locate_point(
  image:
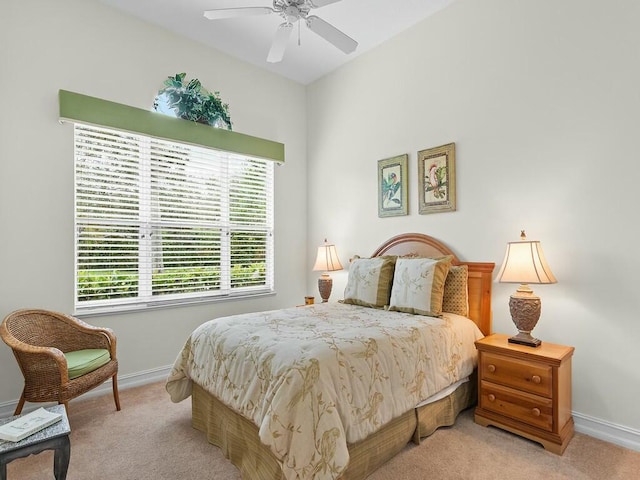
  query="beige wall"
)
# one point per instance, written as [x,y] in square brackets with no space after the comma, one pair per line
[542,99]
[85,47]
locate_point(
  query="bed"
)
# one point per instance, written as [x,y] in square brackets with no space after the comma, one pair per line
[333,391]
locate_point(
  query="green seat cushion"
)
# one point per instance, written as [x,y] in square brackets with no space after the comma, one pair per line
[80,362]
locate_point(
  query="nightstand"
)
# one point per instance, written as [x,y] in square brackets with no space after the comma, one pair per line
[525,390]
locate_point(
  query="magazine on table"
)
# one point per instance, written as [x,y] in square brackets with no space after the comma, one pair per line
[28,424]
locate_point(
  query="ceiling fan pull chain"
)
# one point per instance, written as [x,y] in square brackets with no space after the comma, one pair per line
[298,33]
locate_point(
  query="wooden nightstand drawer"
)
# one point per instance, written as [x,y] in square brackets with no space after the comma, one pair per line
[527,376]
[526,390]
[530,409]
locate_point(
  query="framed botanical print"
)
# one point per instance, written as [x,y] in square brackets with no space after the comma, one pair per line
[392,186]
[437,179]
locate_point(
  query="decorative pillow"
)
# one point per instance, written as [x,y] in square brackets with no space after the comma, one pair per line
[369,282]
[418,285]
[456,293]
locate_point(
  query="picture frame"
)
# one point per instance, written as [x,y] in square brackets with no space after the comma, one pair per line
[393,186]
[437,179]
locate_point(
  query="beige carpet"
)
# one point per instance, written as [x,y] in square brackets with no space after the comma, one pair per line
[152,439]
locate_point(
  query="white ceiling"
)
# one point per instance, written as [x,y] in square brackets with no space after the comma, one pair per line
[369,22]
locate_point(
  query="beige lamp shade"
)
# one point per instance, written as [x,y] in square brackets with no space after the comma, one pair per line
[524,263]
[326,261]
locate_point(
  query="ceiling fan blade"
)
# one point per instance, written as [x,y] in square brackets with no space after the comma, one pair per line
[322,3]
[331,34]
[280,43]
[236,12]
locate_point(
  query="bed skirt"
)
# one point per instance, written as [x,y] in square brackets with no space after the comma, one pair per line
[238,437]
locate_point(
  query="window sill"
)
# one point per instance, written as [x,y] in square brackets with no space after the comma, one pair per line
[88,312]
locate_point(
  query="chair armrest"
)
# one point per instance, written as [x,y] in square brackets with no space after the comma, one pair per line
[39,359]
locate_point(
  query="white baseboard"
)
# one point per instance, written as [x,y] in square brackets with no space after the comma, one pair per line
[124,381]
[594,427]
[607,431]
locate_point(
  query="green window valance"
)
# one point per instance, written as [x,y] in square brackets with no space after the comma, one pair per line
[96,111]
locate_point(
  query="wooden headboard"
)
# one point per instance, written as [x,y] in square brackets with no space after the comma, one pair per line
[480,274]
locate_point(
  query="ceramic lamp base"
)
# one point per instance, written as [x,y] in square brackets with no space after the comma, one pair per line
[325,283]
[525,311]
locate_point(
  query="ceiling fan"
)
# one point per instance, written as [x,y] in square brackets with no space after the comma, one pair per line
[291,11]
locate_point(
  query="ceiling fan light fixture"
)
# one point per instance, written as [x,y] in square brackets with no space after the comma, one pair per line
[291,14]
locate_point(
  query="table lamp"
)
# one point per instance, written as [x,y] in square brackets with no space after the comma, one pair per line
[326,261]
[524,263]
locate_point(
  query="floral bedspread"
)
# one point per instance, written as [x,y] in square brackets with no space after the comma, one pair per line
[318,377]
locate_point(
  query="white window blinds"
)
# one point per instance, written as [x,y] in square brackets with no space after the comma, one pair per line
[159,221]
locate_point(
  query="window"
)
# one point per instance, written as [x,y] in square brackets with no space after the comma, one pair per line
[158,221]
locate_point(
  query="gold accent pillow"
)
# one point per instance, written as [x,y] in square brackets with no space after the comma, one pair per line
[418,285]
[369,282]
[456,291]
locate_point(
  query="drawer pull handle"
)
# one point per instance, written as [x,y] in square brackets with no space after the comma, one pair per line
[491,397]
[536,412]
[536,379]
[491,368]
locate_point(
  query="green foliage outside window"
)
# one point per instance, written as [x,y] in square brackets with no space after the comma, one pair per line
[102,285]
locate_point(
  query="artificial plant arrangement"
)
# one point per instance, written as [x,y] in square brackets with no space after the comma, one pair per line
[189,100]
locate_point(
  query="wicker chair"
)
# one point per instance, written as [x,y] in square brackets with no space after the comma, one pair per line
[40,338]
